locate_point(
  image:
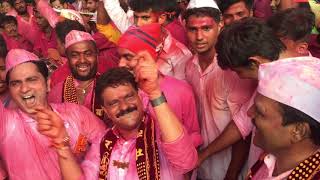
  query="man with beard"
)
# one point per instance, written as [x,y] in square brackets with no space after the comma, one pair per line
[285,114]
[78,87]
[11,35]
[27,25]
[25,150]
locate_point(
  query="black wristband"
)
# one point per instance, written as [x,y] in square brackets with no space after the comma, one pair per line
[158,101]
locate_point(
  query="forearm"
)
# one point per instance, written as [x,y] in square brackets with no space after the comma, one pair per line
[229,136]
[117,14]
[240,151]
[170,126]
[69,167]
[102,15]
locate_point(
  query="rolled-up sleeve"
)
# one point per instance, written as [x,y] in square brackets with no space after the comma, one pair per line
[181,153]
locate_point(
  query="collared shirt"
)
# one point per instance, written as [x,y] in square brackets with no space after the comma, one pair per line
[266,171]
[176,158]
[27,154]
[220,94]
[173,58]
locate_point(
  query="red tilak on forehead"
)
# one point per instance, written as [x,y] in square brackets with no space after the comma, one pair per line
[200,21]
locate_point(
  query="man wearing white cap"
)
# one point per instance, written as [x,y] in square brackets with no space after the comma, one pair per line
[286,116]
[220,93]
[31,145]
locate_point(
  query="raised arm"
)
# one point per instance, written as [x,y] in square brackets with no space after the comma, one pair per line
[176,142]
[117,14]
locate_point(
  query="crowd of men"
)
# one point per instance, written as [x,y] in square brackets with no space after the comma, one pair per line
[159,89]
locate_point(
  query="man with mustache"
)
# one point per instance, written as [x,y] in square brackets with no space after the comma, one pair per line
[11,35]
[137,146]
[82,54]
[285,114]
[25,150]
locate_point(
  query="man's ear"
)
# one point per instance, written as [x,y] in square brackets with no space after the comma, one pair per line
[302,48]
[299,132]
[255,61]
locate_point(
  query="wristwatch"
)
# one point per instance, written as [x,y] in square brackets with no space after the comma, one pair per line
[158,101]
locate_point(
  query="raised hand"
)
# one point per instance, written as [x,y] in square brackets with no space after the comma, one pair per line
[50,125]
[147,74]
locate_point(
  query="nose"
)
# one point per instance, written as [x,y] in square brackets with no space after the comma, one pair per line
[24,88]
[123,62]
[123,105]
[199,35]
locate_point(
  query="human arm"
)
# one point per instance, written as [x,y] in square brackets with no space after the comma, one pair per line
[47,11]
[102,15]
[52,126]
[176,143]
[117,14]
[239,156]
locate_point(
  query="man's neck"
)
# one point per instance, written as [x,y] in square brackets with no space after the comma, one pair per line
[205,59]
[25,16]
[289,158]
[128,134]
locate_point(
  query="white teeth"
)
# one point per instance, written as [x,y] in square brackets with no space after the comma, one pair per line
[27,97]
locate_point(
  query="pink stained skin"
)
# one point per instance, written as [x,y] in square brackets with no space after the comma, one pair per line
[202,33]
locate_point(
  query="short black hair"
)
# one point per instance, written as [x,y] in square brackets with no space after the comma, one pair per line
[153,5]
[244,39]
[8,19]
[3,47]
[204,11]
[295,23]
[61,1]
[41,66]
[291,115]
[113,78]
[225,4]
[64,27]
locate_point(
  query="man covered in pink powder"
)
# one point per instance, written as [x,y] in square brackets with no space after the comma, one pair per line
[78,87]
[179,93]
[25,149]
[138,146]
[220,93]
[285,114]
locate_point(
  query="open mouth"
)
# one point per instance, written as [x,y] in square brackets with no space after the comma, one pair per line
[29,100]
[83,67]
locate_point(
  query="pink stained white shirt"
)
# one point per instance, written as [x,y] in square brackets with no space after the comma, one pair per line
[220,95]
[173,58]
[26,153]
[176,158]
[266,170]
[181,100]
